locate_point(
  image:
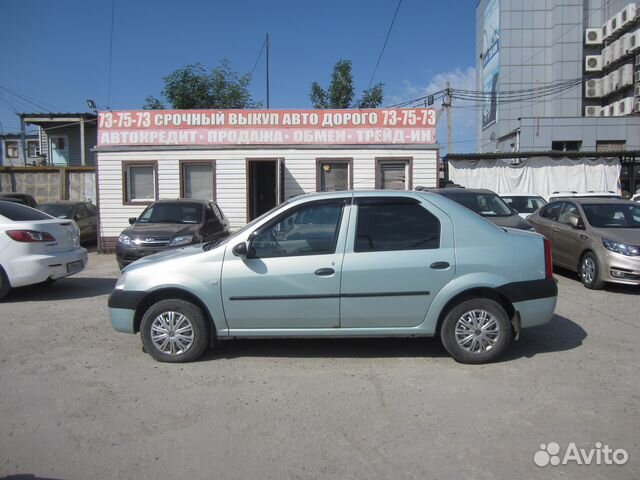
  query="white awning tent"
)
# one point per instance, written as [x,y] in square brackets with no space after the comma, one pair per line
[540,175]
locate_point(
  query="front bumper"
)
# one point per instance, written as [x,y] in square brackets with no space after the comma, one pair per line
[617,268]
[122,310]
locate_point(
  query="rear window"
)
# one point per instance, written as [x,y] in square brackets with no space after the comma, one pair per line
[57,210]
[20,213]
[485,204]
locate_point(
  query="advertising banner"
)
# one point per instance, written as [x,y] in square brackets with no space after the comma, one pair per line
[490,62]
[267,127]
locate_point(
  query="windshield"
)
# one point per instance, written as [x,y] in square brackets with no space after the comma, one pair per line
[524,204]
[59,211]
[485,204]
[188,213]
[613,215]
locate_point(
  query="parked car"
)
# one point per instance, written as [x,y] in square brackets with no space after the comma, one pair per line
[22,198]
[35,247]
[523,203]
[485,203]
[168,224]
[344,264]
[84,214]
[591,194]
[597,237]
[636,198]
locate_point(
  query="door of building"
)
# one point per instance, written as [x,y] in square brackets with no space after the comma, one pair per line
[265,185]
[59,150]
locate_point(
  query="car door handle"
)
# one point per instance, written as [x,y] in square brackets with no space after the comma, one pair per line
[439,265]
[324,272]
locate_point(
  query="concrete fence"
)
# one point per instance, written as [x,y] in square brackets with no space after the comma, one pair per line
[51,183]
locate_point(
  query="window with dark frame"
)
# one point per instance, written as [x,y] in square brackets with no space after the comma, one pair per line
[198,180]
[140,182]
[334,175]
[11,149]
[566,146]
[33,148]
[393,174]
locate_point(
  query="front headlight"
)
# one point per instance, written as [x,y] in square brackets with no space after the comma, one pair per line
[124,239]
[120,282]
[621,248]
[181,240]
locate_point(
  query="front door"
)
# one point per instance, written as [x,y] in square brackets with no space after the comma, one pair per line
[265,185]
[567,243]
[59,150]
[399,255]
[291,277]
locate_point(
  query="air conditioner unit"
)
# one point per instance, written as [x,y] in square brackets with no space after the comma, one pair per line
[605,31]
[604,111]
[593,88]
[636,106]
[624,106]
[614,23]
[628,14]
[636,91]
[607,55]
[634,42]
[592,111]
[626,43]
[611,110]
[614,81]
[617,48]
[637,77]
[626,74]
[593,36]
[593,63]
[604,81]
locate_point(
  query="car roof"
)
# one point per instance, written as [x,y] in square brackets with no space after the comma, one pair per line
[184,200]
[463,191]
[509,194]
[595,200]
[64,202]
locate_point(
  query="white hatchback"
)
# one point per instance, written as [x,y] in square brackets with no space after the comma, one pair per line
[36,247]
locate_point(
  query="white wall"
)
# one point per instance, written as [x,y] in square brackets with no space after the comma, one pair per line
[300,176]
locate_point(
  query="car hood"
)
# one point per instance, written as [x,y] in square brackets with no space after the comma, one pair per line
[171,254]
[630,236]
[512,221]
[161,229]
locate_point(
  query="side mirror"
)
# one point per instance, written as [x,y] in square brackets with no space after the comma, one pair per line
[240,250]
[575,221]
[132,220]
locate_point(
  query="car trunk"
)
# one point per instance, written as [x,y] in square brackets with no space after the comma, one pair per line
[65,233]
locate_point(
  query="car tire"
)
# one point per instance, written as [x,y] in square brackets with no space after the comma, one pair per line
[590,272]
[188,331]
[476,331]
[5,286]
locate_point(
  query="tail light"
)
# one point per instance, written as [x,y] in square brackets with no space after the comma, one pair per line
[548,264]
[30,236]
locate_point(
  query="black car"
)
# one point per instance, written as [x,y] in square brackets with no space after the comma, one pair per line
[485,203]
[168,224]
[85,215]
[23,198]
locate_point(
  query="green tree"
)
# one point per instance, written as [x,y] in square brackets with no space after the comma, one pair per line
[341,91]
[193,87]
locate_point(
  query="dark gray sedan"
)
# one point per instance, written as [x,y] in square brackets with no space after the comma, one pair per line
[84,214]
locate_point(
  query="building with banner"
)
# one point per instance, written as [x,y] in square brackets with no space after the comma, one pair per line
[249,161]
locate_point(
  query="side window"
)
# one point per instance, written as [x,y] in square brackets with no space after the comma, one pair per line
[551,211]
[395,225]
[309,230]
[569,208]
[209,213]
[217,211]
[91,209]
[81,211]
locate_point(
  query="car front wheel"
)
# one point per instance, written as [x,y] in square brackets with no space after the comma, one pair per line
[590,272]
[476,331]
[175,331]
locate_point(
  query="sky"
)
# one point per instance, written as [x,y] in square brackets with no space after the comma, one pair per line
[56,53]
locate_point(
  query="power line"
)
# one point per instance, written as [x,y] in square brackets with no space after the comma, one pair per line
[385,43]
[264,43]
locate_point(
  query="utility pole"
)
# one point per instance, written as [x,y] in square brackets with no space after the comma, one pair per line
[267,41]
[446,103]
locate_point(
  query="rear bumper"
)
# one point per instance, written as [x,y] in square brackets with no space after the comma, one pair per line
[535,301]
[32,269]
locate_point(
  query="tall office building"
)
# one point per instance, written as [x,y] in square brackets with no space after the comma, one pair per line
[565,75]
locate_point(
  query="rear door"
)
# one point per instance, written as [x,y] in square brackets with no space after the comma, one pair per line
[399,255]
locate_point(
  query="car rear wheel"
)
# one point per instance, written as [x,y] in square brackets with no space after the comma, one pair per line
[590,272]
[4,284]
[175,331]
[476,331]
